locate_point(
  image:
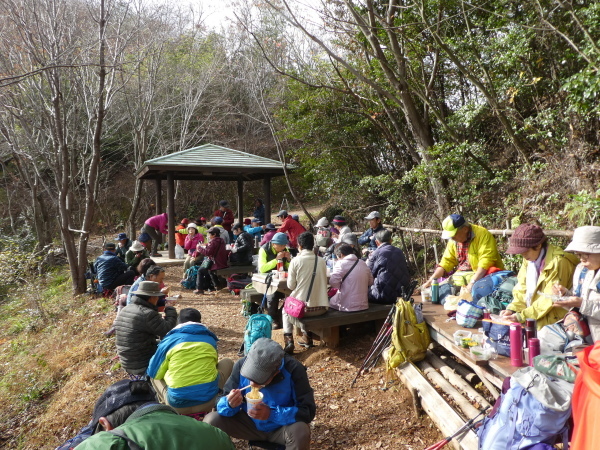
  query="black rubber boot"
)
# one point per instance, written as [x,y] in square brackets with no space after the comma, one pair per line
[289,343]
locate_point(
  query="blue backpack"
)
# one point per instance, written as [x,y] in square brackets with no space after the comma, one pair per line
[489,284]
[258,326]
[190,278]
[522,420]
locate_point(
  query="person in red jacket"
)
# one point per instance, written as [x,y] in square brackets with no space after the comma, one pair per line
[226,214]
[291,227]
[215,250]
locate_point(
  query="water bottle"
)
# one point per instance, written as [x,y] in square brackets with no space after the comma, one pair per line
[530,331]
[516,344]
[256,242]
[435,291]
[534,349]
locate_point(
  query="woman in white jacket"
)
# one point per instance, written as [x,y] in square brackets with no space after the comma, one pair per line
[585,294]
[303,268]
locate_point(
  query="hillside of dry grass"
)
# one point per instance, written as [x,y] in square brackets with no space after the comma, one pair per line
[54,364]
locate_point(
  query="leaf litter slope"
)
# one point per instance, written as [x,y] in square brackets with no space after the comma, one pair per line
[363,417]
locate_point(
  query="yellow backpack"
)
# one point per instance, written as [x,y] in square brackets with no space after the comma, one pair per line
[410,336]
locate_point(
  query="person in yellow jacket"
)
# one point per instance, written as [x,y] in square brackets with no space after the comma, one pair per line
[544,265]
[471,249]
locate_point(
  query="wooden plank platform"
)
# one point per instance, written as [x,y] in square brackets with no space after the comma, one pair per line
[327,326]
[165,261]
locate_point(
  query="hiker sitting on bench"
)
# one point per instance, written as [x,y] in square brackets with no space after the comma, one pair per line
[241,253]
[389,269]
[127,414]
[192,240]
[268,256]
[139,324]
[308,280]
[351,279]
[217,252]
[185,370]
[112,272]
[287,406]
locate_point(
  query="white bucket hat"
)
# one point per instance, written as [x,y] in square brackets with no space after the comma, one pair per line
[323,222]
[136,247]
[585,240]
[192,225]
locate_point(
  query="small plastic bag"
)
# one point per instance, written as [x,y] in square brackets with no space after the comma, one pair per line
[179,253]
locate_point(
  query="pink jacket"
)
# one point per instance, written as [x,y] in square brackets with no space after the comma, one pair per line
[191,243]
[159,222]
[353,292]
[268,236]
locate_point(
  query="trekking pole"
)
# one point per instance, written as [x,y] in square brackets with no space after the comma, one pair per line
[466,427]
[382,331]
[384,338]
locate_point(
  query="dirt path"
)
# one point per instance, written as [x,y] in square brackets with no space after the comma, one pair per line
[364,417]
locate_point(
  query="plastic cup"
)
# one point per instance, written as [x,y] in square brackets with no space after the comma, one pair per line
[253,402]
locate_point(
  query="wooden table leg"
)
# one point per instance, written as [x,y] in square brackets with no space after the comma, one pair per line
[331,337]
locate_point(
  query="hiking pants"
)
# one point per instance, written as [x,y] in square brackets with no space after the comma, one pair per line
[126,278]
[295,436]
[205,279]
[155,235]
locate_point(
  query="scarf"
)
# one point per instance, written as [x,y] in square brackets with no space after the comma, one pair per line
[534,268]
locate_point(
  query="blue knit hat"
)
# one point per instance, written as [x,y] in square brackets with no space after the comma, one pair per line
[280,238]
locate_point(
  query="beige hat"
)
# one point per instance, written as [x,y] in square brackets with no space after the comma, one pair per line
[149,288]
[136,247]
[585,240]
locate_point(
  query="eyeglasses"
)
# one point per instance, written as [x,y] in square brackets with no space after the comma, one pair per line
[585,256]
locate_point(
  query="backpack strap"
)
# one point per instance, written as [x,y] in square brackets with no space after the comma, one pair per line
[348,273]
[312,280]
[121,433]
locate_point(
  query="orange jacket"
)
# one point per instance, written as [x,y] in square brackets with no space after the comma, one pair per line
[586,400]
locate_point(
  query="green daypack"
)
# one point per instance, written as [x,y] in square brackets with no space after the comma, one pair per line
[501,297]
[410,338]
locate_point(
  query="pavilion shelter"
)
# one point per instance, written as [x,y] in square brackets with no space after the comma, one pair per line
[209,162]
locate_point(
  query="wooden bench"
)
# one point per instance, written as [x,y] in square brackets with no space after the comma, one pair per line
[235,269]
[252,295]
[327,326]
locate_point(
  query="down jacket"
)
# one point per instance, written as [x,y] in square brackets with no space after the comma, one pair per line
[244,245]
[187,360]
[137,327]
[108,267]
[390,273]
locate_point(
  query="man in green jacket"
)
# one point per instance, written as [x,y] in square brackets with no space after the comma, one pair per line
[471,250]
[269,255]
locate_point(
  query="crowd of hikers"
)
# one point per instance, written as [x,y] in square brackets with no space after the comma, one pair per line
[178,381]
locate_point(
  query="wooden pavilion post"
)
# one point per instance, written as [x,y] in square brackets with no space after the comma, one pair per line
[158,209]
[240,201]
[171,214]
[267,198]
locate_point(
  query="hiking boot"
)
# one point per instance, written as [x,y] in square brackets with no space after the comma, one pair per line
[156,255]
[305,341]
[289,343]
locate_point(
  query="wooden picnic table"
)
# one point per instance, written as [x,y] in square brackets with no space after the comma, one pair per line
[491,373]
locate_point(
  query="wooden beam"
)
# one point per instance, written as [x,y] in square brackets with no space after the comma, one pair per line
[158,208]
[171,214]
[446,419]
[240,201]
[267,198]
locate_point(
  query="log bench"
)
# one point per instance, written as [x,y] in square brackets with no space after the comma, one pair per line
[327,326]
